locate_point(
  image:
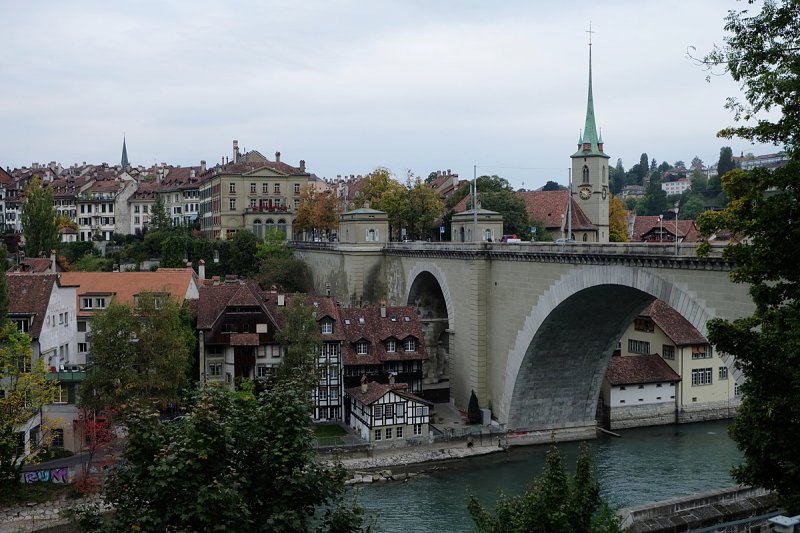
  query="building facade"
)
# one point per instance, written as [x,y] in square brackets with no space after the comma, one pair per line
[386,413]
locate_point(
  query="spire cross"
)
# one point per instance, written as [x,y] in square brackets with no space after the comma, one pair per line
[590,32]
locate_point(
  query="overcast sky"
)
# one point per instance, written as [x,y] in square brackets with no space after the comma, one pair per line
[352,85]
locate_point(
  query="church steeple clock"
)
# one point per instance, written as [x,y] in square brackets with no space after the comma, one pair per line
[590,168]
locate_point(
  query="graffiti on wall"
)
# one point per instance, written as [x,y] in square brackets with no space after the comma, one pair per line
[52,475]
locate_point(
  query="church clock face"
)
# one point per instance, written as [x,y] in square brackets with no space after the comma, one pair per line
[585,193]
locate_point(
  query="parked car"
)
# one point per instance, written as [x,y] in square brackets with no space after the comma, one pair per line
[565,241]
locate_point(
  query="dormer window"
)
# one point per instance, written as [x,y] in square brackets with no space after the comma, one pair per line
[327,327]
[362,347]
[361,320]
[410,344]
[391,346]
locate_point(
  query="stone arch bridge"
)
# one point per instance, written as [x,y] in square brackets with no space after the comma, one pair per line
[529,327]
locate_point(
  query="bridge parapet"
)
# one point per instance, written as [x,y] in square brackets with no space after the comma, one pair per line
[654,255]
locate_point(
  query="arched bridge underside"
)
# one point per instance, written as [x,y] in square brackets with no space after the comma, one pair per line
[532,333]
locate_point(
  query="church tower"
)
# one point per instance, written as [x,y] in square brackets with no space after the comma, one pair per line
[124,161]
[590,168]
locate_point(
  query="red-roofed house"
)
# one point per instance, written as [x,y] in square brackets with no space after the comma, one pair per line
[656,229]
[638,391]
[707,389]
[385,413]
[551,208]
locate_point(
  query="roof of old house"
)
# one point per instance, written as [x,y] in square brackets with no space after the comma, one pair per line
[672,323]
[367,324]
[323,307]
[639,369]
[31,295]
[215,298]
[125,285]
[549,206]
[644,224]
[376,391]
[37,265]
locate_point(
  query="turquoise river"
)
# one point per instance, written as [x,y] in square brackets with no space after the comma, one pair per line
[644,465]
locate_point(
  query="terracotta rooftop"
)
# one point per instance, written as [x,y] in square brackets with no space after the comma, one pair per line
[548,206]
[672,323]
[639,369]
[32,264]
[376,391]
[367,324]
[125,285]
[30,295]
[644,224]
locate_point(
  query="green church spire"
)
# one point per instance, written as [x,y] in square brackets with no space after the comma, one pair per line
[124,154]
[590,142]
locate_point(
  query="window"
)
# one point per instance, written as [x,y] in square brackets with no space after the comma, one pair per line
[417,429]
[585,174]
[372,235]
[391,346]
[410,345]
[701,352]
[232,204]
[331,351]
[668,351]
[297,188]
[327,327]
[388,433]
[58,438]
[737,390]
[215,369]
[86,303]
[60,393]
[701,376]
[377,434]
[723,372]
[83,347]
[400,410]
[643,324]
[100,303]
[252,188]
[323,393]
[135,208]
[22,324]
[264,188]
[262,371]
[362,347]
[232,188]
[252,203]
[334,394]
[377,411]
[277,188]
[635,346]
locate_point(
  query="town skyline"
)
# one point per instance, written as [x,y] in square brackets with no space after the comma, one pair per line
[413,88]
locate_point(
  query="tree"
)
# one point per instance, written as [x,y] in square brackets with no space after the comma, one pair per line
[692,208]
[384,194]
[301,344]
[26,391]
[655,201]
[553,186]
[175,251]
[512,207]
[554,501]
[39,220]
[318,211]
[762,53]
[3,283]
[237,463]
[726,162]
[424,207]
[273,245]
[617,220]
[138,354]
[473,409]
[159,218]
[242,253]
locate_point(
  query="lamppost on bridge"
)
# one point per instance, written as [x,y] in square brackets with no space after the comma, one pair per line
[660,228]
[676,228]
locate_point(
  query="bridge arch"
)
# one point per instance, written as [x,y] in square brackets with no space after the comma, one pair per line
[556,366]
[429,292]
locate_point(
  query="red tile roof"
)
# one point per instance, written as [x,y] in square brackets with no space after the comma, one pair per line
[645,224]
[548,206]
[672,323]
[30,295]
[376,391]
[368,324]
[639,369]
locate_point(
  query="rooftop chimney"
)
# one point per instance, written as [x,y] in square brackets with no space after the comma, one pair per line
[188,264]
[202,165]
[391,378]
[383,310]
[235,151]
[281,300]
[201,269]
[364,384]
[302,165]
[53,261]
[277,157]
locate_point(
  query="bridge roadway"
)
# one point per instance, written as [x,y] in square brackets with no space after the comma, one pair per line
[528,326]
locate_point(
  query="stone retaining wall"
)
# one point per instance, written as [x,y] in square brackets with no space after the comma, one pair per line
[632,416]
[703,412]
[35,516]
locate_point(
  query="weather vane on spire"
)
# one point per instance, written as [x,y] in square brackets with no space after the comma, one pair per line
[590,32]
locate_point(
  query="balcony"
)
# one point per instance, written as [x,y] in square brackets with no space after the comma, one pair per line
[267,209]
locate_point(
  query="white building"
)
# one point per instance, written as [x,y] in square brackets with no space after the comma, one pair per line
[676,187]
[383,414]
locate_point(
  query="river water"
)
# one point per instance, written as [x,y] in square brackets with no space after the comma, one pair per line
[645,465]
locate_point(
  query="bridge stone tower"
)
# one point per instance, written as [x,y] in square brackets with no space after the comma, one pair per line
[590,169]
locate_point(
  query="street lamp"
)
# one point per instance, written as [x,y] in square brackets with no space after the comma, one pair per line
[660,228]
[676,229]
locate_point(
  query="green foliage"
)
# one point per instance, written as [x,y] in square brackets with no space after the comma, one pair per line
[39,220]
[617,220]
[286,274]
[512,207]
[762,53]
[552,186]
[301,344]
[473,409]
[554,501]
[424,208]
[655,202]
[137,354]
[726,162]
[159,218]
[175,251]
[237,463]
[242,254]
[73,251]
[92,263]
[273,245]
[3,284]
[26,391]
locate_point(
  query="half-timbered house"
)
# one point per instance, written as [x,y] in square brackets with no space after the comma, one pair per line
[385,413]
